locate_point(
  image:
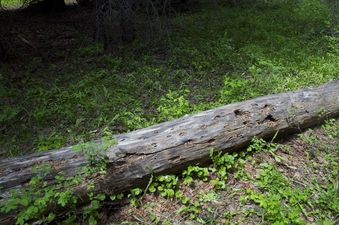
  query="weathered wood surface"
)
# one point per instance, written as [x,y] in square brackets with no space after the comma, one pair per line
[169,147]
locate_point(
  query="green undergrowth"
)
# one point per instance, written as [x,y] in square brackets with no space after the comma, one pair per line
[212,57]
[261,180]
[47,190]
[7,4]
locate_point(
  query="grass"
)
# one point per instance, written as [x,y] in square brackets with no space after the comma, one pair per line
[11,4]
[213,57]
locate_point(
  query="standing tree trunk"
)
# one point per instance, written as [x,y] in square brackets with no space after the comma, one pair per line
[114,22]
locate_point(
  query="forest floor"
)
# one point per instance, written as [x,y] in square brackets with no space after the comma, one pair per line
[57,88]
[294,181]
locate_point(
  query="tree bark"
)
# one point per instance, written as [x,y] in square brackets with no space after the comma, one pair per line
[169,147]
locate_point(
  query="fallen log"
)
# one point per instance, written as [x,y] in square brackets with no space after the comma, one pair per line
[169,147]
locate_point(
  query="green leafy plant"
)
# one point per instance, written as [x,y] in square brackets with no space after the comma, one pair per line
[192,209]
[135,193]
[222,163]
[33,202]
[166,185]
[90,213]
[235,90]
[53,141]
[173,105]
[279,203]
[331,128]
[195,171]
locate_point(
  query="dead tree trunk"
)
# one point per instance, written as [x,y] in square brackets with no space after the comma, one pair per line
[171,146]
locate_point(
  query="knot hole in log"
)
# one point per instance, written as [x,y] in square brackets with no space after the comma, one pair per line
[270,120]
[244,115]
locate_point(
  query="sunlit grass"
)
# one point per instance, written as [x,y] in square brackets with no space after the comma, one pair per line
[11,4]
[16,4]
